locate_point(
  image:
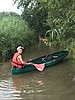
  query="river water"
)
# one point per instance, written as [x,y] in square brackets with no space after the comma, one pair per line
[54,83]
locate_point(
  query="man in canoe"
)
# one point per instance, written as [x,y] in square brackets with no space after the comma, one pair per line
[17,59]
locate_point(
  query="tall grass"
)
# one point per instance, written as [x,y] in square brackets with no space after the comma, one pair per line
[14,31]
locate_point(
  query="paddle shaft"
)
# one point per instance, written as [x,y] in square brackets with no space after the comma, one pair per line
[46,56]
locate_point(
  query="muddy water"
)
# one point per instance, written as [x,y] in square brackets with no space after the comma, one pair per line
[54,83]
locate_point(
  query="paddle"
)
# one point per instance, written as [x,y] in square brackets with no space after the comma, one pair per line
[45,57]
[39,67]
[49,56]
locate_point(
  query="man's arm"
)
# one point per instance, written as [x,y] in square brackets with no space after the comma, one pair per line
[19,58]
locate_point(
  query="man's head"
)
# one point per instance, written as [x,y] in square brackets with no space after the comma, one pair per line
[19,49]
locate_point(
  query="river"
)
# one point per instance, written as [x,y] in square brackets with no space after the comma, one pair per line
[54,83]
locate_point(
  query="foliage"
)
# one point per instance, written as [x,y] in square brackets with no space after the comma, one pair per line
[70,46]
[35,13]
[56,18]
[14,31]
[6,14]
[61,20]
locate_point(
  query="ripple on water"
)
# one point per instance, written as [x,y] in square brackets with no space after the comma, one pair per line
[7,91]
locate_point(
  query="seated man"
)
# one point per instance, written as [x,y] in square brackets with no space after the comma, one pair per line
[17,59]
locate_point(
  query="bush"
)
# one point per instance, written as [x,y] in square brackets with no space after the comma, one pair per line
[14,31]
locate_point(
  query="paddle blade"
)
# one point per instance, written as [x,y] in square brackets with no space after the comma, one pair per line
[39,67]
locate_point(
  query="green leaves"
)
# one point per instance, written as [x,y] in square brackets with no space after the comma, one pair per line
[14,31]
[56,18]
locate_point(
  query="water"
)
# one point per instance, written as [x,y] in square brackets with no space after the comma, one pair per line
[54,83]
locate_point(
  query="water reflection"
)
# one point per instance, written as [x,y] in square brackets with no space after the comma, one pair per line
[29,87]
[40,82]
[7,91]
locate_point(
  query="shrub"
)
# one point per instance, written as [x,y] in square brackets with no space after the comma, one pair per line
[14,31]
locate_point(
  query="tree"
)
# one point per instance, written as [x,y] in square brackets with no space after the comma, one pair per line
[35,13]
[61,20]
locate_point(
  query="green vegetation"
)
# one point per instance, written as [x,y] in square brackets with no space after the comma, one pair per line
[14,31]
[54,19]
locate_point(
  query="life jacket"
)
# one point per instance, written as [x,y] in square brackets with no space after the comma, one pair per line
[15,62]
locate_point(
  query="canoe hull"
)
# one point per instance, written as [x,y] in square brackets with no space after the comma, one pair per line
[61,55]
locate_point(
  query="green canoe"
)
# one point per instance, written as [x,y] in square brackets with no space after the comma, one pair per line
[48,60]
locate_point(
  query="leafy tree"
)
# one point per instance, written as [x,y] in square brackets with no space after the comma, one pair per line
[35,13]
[61,20]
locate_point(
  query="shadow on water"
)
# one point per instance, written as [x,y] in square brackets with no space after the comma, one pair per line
[54,83]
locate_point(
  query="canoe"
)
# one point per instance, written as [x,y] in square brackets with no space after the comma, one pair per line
[48,60]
